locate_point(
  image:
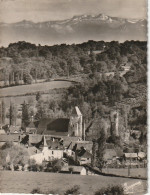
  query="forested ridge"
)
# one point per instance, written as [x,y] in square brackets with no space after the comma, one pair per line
[27,61]
[99,93]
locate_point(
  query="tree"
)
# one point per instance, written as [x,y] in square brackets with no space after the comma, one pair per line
[3,112]
[12,114]
[25,115]
[73,191]
[38,96]
[101,149]
[27,78]
[93,161]
[14,155]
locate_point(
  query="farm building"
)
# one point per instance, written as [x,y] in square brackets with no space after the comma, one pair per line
[130,158]
[74,170]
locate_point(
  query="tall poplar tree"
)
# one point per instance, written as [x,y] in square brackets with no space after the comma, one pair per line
[3,112]
[13,114]
[25,115]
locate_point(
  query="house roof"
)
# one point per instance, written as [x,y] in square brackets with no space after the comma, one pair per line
[141,154]
[35,138]
[54,144]
[68,141]
[75,168]
[84,154]
[48,126]
[85,144]
[131,155]
[13,129]
[9,137]
[33,150]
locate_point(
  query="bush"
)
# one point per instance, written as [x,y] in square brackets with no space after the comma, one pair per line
[38,191]
[111,190]
[73,191]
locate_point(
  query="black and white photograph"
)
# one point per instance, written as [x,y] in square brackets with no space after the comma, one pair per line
[73,97]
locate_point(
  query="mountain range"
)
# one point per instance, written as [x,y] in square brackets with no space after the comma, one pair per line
[75,30]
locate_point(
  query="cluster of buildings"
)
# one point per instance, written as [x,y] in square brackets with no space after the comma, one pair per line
[63,139]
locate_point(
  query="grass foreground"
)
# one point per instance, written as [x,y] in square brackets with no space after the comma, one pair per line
[25,182]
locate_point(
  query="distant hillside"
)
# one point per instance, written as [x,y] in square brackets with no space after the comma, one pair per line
[75,30]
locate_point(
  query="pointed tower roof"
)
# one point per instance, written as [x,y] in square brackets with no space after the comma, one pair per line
[45,143]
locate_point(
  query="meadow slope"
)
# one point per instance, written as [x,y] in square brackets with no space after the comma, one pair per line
[33,88]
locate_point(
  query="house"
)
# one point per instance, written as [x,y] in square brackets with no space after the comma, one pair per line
[84,157]
[130,158]
[33,150]
[14,129]
[74,170]
[141,155]
[52,149]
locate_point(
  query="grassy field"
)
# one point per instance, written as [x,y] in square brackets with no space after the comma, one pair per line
[25,182]
[20,99]
[134,172]
[33,88]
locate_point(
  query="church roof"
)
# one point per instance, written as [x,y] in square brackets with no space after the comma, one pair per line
[49,126]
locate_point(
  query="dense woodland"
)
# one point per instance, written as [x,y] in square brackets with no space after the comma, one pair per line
[27,61]
[98,94]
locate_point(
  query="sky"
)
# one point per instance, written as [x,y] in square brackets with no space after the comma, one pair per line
[46,10]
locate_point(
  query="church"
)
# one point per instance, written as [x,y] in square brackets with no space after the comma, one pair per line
[72,126]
